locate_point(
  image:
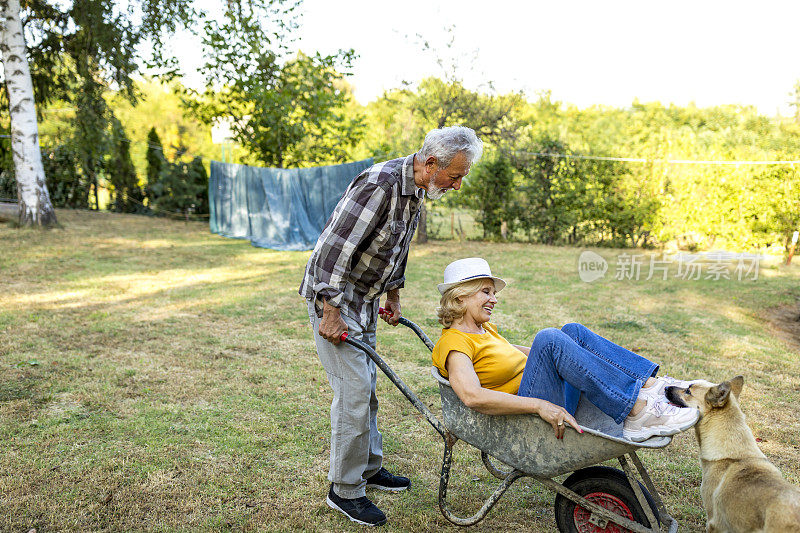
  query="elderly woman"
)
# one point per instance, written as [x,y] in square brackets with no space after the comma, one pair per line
[495,377]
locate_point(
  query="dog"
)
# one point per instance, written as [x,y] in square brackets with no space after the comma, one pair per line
[741,490]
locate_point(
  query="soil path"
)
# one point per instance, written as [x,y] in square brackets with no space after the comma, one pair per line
[786,322]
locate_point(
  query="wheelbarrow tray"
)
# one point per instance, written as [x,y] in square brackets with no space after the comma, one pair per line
[529,444]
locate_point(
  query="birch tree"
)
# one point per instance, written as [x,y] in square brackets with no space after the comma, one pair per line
[35,207]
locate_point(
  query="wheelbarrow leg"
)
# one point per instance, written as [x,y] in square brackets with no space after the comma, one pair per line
[668,524]
[496,472]
[449,441]
[637,490]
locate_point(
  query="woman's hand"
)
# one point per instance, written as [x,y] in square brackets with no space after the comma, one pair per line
[556,416]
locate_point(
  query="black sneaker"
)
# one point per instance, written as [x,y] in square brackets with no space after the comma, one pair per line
[359,510]
[383,480]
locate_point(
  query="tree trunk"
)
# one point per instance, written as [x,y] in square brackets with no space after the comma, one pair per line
[422,228]
[35,207]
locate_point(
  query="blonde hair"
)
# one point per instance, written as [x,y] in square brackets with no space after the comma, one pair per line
[450,307]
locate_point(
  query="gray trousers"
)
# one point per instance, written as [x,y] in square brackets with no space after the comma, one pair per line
[356,443]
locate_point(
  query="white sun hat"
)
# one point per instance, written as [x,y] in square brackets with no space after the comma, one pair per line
[466,270]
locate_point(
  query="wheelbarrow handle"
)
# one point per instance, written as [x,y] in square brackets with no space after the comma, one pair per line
[413,327]
[394,378]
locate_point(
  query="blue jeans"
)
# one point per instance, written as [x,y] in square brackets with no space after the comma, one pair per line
[563,363]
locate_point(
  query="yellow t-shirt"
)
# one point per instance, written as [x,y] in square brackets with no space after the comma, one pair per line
[497,363]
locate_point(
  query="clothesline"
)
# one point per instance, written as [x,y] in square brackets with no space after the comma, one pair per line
[670,161]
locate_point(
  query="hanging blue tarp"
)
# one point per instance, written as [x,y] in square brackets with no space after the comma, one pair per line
[278,208]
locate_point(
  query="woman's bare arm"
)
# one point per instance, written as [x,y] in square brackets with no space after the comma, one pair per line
[524,349]
[468,388]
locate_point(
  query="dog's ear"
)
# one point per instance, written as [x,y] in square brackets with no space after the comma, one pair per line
[718,396]
[736,385]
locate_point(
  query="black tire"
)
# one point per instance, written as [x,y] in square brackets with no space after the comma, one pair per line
[606,486]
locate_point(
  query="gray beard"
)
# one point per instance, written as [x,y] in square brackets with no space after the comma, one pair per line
[434,193]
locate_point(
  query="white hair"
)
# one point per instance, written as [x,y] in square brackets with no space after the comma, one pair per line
[445,143]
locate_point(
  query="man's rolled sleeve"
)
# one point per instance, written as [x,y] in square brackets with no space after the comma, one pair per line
[396,284]
[358,217]
[323,291]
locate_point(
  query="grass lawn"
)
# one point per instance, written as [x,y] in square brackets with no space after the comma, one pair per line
[158,377]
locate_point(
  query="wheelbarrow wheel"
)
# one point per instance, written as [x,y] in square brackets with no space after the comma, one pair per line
[607,487]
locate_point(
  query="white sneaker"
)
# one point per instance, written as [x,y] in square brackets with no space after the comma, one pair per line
[658,418]
[662,382]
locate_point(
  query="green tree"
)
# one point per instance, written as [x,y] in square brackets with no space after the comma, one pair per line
[443,103]
[773,208]
[177,186]
[199,176]
[182,189]
[447,103]
[393,129]
[399,120]
[159,106]
[491,191]
[66,38]
[301,119]
[156,162]
[622,204]
[553,193]
[126,195]
[64,179]
[76,48]
[91,137]
[286,112]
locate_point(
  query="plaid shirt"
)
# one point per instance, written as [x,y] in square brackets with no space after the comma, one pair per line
[362,251]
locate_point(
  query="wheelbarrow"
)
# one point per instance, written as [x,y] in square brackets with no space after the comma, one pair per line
[592,499]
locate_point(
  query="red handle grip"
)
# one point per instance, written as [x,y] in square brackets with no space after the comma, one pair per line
[343,337]
[382,311]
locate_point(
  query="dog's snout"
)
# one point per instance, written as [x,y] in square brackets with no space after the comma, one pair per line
[671,393]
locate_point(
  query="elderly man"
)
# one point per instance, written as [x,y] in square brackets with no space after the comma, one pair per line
[361,255]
